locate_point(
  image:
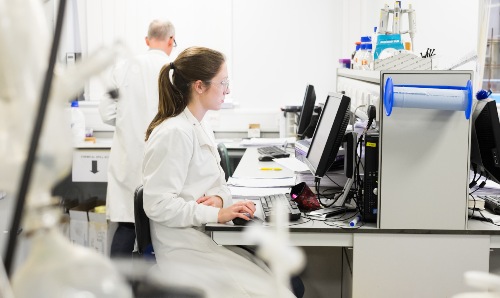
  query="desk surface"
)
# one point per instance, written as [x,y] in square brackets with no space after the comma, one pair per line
[249,167]
[308,232]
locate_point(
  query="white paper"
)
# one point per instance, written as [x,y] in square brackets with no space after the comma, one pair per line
[485,215]
[292,163]
[257,192]
[250,182]
[267,141]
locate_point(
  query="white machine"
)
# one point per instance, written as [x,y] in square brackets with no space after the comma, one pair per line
[398,12]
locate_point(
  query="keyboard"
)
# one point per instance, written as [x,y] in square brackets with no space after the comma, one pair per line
[492,203]
[273,151]
[269,201]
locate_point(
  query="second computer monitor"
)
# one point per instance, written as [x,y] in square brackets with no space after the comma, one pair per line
[307,110]
[329,134]
[485,140]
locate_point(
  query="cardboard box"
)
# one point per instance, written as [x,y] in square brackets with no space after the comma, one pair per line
[254,130]
[403,61]
[101,232]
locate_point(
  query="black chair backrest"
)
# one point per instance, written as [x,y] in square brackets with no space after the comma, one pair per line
[224,160]
[142,231]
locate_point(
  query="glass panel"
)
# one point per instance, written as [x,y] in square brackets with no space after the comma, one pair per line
[491,78]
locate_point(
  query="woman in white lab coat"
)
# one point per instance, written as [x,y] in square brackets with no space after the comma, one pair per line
[184,185]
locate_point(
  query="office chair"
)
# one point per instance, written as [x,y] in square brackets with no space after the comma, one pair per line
[142,286]
[224,160]
[142,232]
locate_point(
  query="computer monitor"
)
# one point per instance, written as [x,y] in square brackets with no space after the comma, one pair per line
[485,143]
[306,112]
[329,134]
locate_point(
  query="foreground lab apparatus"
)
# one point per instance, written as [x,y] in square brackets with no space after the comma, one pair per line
[54,266]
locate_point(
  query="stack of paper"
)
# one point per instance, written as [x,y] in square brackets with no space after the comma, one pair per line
[259,186]
[476,203]
[261,183]
[331,179]
[259,142]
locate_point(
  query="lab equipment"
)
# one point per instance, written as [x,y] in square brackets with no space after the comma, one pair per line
[306,113]
[24,132]
[428,97]
[397,12]
[77,123]
[353,61]
[367,59]
[360,54]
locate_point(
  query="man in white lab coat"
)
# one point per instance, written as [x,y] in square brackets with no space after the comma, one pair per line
[130,113]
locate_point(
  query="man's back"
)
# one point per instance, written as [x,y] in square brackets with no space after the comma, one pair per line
[137,81]
[131,113]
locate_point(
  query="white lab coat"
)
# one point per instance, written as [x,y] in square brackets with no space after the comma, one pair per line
[131,113]
[181,164]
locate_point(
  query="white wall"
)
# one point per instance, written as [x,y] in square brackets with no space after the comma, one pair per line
[274,48]
[280,46]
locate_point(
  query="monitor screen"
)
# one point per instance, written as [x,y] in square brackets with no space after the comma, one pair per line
[485,143]
[329,134]
[307,110]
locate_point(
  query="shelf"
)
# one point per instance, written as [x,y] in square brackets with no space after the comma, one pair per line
[370,76]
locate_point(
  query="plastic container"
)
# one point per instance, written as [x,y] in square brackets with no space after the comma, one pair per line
[367,59]
[374,39]
[344,63]
[358,46]
[77,123]
[358,56]
[365,40]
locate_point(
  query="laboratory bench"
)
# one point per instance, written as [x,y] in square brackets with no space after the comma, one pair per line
[385,262]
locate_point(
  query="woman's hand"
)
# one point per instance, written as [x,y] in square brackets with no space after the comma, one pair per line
[238,209]
[214,201]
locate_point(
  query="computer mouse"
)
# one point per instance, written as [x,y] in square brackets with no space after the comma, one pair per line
[238,221]
[266,158]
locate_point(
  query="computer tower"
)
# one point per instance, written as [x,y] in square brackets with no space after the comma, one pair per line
[369,204]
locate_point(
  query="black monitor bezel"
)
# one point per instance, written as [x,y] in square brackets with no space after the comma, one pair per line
[307,110]
[485,140]
[335,137]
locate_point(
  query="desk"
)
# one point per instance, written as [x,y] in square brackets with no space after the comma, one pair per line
[388,262]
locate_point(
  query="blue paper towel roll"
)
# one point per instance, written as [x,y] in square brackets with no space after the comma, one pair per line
[428,97]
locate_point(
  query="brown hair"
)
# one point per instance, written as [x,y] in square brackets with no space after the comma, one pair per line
[195,63]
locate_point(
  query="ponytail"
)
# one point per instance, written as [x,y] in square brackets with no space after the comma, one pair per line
[171,101]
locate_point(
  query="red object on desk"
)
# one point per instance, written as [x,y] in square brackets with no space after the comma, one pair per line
[305,198]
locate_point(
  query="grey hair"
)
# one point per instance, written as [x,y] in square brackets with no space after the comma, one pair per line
[161,30]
